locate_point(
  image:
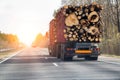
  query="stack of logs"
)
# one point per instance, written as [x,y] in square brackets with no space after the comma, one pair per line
[83,23]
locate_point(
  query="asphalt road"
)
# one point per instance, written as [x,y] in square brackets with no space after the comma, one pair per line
[36,64]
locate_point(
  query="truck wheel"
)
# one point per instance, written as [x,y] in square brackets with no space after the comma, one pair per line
[58,56]
[58,51]
[54,52]
[65,58]
[62,56]
[50,53]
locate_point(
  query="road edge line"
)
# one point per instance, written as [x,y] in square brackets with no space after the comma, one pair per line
[11,56]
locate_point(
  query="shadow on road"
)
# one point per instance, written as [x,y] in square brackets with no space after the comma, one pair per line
[37,59]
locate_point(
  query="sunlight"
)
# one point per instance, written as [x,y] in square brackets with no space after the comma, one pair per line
[27,39]
[28,34]
[28,20]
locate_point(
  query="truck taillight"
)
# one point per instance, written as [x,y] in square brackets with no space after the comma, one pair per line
[97,49]
[69,49]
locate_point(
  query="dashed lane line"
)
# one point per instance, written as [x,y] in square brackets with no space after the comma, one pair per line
[55,64]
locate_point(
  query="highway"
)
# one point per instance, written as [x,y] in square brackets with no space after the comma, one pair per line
[36,64]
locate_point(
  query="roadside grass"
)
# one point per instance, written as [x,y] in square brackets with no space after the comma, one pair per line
[5,54]
[109,55]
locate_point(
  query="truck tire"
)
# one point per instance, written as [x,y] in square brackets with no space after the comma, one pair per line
[54,52]
[63,56]
[50,53]
[58,55]
[49,50]
[58,51]
[91,58]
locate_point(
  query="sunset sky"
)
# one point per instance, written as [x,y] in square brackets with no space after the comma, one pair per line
[26,18]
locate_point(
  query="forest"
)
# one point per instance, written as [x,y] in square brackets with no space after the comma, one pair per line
[8,41]
[41,41]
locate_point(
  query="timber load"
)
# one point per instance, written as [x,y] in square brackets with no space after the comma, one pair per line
[83,23]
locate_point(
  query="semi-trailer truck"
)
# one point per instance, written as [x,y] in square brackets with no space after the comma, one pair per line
[75,30]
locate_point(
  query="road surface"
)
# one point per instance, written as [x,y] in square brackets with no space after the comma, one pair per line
[36,64]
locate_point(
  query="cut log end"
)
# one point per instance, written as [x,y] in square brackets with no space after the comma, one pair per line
[93,17]
[71,20]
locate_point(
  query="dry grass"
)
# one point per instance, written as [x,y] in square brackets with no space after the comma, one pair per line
[107,55]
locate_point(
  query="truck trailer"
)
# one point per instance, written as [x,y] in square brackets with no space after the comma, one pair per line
[76,31]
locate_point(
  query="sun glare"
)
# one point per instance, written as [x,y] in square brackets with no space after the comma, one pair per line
[27,36]
[26,39]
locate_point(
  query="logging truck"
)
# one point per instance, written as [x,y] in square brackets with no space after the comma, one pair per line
[76,30]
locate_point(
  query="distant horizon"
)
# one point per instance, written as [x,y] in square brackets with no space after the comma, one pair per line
[26,18]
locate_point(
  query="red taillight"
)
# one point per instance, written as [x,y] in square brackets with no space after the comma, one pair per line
[97,49]
[69,49]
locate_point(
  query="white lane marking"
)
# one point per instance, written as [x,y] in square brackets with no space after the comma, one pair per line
[55,64]
[10,57]
[46,58]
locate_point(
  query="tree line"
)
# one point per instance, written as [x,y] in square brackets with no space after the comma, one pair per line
[110,24]
[8,41]
[41,41]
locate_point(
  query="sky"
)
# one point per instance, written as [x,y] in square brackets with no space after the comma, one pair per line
[26,18]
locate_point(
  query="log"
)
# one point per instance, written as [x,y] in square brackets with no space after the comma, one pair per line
[80,40]
[79,17]
[80,12]
[96,39]
[65,36]
[86,14]
[81,31]
[92,8]
[68,29]
[71,20]
[76,13]
[69,35]
[71,39]
[74,36]
[93,30]
[93,17]
[66,7]
[78,27]
[86,10]
[64,31]
[66,15]
[82,23]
